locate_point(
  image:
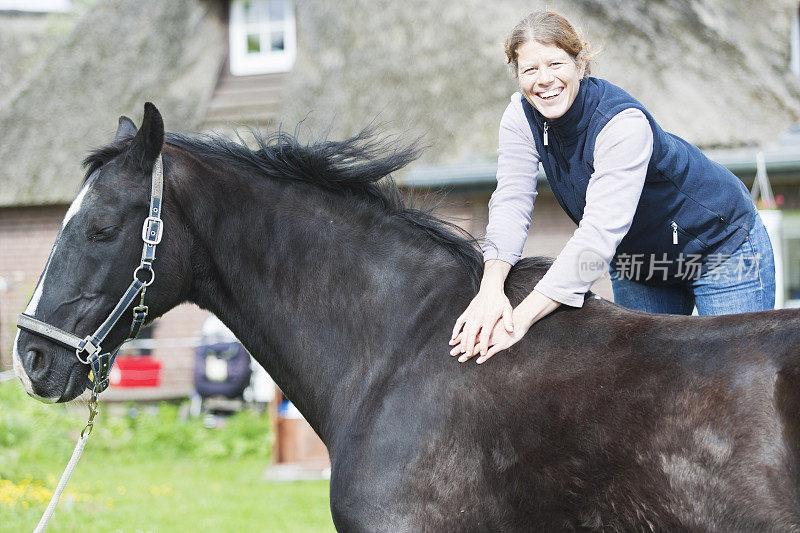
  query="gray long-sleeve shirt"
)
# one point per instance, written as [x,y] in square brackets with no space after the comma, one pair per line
[621,156]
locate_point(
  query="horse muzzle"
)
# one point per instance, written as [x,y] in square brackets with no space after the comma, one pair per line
[35,362]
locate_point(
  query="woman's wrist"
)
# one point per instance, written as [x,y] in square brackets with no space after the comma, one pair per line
[535,306]
[495,272]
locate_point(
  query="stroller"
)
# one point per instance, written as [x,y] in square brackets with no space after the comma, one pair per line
[225,376]
[221,369]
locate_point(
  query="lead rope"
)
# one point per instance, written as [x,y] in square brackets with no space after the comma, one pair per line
[73,462]
[100,383]
[139,316]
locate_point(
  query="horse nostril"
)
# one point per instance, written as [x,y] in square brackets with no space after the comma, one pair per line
[35,361]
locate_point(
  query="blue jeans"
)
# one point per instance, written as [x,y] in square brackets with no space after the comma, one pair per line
[739,283]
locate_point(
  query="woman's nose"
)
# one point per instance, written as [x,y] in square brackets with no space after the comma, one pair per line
[544,76]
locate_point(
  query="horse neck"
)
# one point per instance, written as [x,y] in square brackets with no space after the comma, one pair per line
[324,291]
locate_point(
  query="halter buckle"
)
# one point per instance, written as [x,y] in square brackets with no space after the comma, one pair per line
[152,230]
[90,351]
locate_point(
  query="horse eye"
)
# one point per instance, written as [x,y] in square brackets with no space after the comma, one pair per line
[104,234]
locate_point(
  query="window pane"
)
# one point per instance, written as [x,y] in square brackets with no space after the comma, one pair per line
[253,43]
[259,36]
[277,10]
[256,11]
[276,41]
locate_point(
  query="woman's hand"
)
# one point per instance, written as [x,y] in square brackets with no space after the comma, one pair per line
[487,311]
[489,307]
[534,307]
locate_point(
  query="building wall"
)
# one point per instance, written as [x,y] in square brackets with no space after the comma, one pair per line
[27,235]
[549,232]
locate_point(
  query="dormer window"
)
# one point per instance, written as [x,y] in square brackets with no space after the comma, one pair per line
[262,36]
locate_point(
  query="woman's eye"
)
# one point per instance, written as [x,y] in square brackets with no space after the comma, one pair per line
[104,234]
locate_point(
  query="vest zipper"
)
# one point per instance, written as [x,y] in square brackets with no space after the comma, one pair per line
[674,233]
[545,133]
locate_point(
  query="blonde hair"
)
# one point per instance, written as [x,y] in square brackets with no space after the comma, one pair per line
[547,27]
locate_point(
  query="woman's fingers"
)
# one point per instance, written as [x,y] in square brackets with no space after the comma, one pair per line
[499,340]
[457,328]
[466,356]
[467,344]
[483,339]
[471,331]
[473,338]
[508,318]
[493,350]
[456,341]
[458,345]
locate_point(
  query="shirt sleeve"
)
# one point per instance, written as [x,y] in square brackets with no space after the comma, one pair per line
[621,156]
[511,205]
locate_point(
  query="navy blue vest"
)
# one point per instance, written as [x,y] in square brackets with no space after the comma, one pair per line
[690,206]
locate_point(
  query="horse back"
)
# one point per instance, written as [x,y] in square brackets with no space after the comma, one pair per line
[605,418]
[600,418]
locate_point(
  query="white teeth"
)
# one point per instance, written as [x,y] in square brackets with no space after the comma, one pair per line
[549,94]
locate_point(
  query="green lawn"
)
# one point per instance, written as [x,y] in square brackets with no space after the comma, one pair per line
[170,495]
[147,471]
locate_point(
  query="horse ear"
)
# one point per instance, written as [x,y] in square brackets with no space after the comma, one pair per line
[125,129]
[149,139]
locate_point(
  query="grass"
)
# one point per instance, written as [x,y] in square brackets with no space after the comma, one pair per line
[172,495]
[149,472]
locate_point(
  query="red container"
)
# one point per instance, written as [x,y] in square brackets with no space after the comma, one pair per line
[136,371]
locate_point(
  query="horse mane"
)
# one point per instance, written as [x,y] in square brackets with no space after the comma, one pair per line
[351,167]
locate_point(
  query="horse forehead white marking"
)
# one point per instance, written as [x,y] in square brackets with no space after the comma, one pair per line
[74,208]
[76,204]
[37,294]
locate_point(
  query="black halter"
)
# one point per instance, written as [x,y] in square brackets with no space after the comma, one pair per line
[88,350]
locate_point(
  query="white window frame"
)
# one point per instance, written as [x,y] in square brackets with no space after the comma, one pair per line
[36,6]
[243,63]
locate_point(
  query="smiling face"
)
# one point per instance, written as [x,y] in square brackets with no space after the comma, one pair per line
[548,77]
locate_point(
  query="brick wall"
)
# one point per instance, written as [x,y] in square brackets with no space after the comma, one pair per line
[27,235]
[550,231]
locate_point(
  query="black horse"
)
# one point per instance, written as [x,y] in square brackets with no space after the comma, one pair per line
[600,419]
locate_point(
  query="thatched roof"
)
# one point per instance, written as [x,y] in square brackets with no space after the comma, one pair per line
[713,72]
[118,55]
[23,40]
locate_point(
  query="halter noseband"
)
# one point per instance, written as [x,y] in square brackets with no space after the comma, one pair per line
[88,350]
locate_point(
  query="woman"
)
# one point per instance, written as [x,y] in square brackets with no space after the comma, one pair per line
[676,229]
